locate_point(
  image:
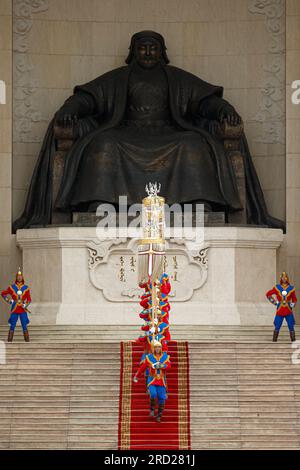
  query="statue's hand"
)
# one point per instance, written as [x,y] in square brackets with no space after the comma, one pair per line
[229,114]
[66,118]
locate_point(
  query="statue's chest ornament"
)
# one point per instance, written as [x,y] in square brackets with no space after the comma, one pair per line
[145,97]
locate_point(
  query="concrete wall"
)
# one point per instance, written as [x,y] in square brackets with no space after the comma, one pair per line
[239,44]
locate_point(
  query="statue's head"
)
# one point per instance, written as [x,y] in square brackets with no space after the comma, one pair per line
[147,48]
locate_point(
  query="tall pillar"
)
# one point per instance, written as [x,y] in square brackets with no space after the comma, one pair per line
[293,144]
[5,137]
[9,254]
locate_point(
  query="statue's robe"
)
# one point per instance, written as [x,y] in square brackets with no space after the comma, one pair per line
[94,173]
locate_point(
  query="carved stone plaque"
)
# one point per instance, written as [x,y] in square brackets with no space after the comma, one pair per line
[113,269]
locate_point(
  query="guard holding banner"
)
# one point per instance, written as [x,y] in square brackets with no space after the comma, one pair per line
[157,364]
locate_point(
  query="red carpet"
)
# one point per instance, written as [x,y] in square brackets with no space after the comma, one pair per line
[136,429]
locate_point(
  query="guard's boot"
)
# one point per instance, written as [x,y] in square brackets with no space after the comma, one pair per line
[160,412]
[152,407]
[293,335]
[275,336]
[26,336]
[10,336]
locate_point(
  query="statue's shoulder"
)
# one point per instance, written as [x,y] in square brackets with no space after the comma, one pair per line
[192,80]
[108,77]
[113,74]
[181,74]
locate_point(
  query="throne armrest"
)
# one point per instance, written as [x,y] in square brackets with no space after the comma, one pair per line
[65,136]
[231,135]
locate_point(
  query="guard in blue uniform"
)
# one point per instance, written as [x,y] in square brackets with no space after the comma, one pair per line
[18,296]
[157,364]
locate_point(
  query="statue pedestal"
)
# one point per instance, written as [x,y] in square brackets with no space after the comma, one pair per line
[77,279]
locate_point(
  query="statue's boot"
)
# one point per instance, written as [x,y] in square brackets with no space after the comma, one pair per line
[293,335]
[152,407]
[161,407]
[26,336]
[10,336]
[275,336]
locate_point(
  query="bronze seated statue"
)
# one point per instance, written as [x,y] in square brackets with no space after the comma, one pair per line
[146,121]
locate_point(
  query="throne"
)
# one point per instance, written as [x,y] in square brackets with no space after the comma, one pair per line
[227,134]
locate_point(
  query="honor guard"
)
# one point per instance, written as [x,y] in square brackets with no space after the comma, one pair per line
[283,296]
[160,326]
[147,340]
[157,364]
[165,286]
[18,296]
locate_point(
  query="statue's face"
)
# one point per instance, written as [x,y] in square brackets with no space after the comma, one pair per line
[148,52]
[284,278]
[19,278]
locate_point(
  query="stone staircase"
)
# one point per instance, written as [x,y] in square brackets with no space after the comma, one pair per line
[244,396]
[61,391]
[60,396]
[117,333]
